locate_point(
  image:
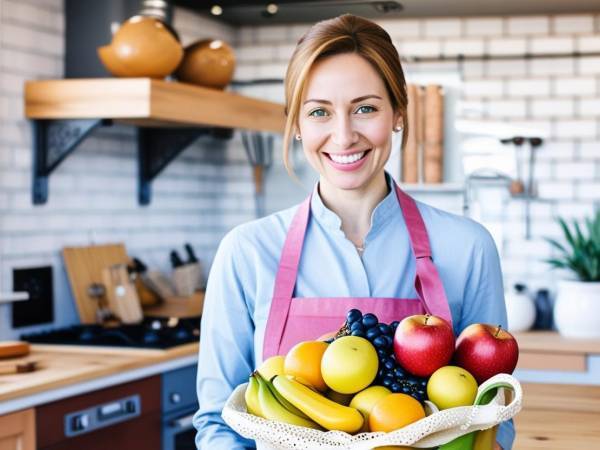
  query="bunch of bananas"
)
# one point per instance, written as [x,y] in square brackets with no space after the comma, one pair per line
[287,400]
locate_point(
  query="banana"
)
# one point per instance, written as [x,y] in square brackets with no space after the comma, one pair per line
[327,413]
[251,397]
[287,405]
[273,410]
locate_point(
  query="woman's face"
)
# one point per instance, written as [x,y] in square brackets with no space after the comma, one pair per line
[346,121]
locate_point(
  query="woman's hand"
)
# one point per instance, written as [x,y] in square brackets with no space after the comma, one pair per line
[497,446]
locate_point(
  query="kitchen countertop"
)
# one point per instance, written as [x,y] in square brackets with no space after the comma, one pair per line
[65,371]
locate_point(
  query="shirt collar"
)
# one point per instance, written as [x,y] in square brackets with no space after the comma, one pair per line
[379,217]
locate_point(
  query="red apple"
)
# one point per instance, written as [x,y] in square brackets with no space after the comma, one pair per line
[423,344]
[486,350]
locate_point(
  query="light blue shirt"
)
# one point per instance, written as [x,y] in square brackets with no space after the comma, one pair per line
[240,287]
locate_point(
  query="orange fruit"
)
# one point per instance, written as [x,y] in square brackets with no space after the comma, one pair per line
[303,362]
[395,411]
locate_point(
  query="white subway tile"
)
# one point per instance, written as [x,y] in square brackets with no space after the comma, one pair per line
[552,45]
[34,65]
[589,107]
[589,150]
[245,35]
[22,158]
[541,210]
[284,52]
[528,87]
[552,66]
[510,67]
[483,88]
[524,248]
[575,171]
[398,29]
[574,210]
[255,53]
[13,10]
[544,170]
[297,31]
[507,46]
[528,25]
[552,108]
[483,26]
[588,43]
[271,70]
[588,190]
[26,38]
[272,33]
[573,24]
[245,71]
[507,108]
[463,47]
[420,48]
[576,129]
[557,151]
[442,27]
[555,190]
[589,65]
[15,179]
[474,69]
[471,108]
[575,86]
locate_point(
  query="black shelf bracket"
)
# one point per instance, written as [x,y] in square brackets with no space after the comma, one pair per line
[157,147]
[53,141]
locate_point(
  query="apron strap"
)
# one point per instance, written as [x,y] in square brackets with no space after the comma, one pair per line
[427,280]
[285,280]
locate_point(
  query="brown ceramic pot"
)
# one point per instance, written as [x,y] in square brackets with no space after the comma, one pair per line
[142,47]
[208,63]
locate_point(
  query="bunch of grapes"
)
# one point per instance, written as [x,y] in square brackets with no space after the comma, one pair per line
[381,335]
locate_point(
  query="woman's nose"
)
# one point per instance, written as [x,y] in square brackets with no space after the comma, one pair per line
[343,134]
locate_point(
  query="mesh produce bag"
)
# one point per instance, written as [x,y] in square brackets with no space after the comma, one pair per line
[434,430]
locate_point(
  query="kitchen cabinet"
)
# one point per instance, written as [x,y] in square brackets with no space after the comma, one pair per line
[17,430]
[169,116]
[120,417]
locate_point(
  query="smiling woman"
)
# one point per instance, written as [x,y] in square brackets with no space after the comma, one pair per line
[357,241]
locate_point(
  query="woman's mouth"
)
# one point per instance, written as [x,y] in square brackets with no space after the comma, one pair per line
[347,162]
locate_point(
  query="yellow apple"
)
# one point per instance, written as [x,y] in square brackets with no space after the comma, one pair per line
[349,364]
[271,366]
[365,400]
[451,386]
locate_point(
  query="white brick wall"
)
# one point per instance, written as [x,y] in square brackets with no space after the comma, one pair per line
[202,194]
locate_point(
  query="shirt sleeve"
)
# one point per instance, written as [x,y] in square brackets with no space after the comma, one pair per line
[484,303]
[226,356]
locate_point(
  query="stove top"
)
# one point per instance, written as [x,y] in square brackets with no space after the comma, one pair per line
[151,333]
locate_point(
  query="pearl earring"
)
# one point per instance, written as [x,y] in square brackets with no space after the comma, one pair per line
[398,129]
[298,137]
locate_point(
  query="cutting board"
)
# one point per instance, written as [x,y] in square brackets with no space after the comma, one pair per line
[84,267]
[123,300]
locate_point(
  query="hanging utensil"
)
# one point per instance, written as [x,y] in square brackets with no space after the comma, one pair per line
[259,150]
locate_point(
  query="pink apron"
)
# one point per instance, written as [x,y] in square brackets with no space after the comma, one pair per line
[292,320]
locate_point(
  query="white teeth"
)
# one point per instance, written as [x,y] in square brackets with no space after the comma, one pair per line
[346,159]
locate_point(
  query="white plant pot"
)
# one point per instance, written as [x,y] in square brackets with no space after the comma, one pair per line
[577,309]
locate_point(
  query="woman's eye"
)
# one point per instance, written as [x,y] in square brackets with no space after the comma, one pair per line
[317,113]
[364,109]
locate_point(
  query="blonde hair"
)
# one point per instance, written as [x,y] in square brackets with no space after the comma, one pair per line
[343,34]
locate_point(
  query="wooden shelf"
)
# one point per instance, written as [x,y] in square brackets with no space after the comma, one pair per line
[169,115]
[149,102]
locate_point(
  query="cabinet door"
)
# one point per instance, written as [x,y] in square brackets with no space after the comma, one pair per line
[17,431]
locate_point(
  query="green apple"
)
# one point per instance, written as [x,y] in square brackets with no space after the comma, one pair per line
[451,386]
[365,400]
[349,364]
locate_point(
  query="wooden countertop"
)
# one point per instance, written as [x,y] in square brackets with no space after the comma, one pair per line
[553,342]
[61,365]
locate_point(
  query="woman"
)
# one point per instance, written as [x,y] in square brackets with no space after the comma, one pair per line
[357,241]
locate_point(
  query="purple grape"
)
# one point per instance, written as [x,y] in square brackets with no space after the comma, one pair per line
[354,315]
[369,320]
[372,333]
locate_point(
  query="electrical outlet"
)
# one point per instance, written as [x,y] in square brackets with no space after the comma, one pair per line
[37,281]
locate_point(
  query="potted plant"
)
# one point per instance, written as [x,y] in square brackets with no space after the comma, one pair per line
[577,307]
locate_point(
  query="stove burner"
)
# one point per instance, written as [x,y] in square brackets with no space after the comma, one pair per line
[151,333]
